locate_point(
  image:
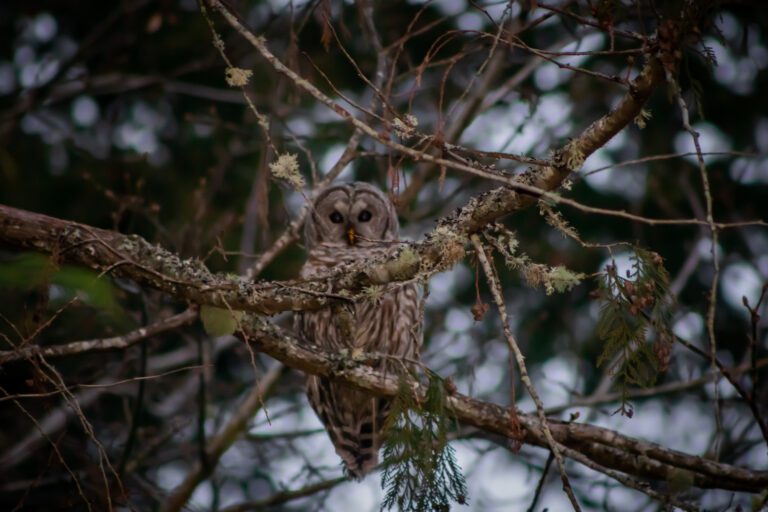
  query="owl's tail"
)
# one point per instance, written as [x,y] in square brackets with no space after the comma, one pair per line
[358,447]
[354,422]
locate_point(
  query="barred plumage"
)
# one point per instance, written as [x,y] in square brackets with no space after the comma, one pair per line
[350,222]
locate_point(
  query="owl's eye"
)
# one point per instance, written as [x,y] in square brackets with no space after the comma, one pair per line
[364,216]
[336,218]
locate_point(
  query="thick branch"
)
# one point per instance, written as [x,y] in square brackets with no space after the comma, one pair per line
[132,257]
[604,446]
[502,201]
[135,258]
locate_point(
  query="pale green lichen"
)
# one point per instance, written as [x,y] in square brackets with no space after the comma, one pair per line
[572,156]
[552,279]
[510,243]
[642,117]
[405,127]
[374,293]
[405,266]
[557,221]
[218,43]
[286,168]
[132,244]
[450,245]
[237,77]
[263,121]
[560,279]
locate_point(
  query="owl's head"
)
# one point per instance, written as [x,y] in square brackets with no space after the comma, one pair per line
[351,214]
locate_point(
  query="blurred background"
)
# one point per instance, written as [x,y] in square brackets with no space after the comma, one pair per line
[118,115]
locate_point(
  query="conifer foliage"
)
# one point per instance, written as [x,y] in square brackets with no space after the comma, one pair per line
[421,472]
[634,322]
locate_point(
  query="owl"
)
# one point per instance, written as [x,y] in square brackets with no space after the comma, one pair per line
[346,223]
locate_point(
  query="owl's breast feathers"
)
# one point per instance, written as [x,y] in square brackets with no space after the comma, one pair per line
[325,256]
[384,325]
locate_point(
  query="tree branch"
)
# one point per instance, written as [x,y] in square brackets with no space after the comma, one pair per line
[216,446]
[504,200]
[281,497]
[190,281]
[113,343]
[498,298]
[604,446]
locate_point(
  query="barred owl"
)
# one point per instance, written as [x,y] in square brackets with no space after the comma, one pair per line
[349,222]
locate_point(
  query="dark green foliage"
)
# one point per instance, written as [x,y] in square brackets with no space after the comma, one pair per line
[635,311]
[28,271]
[421,472]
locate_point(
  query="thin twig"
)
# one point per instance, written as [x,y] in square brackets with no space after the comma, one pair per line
[218,444]
[50,374]
[285,496]
[540,485]
[667,156]
[722,369]
[715,256]
[754,318]
[513,346]
[54,447]
[104,384]
[113,343]
[655,391]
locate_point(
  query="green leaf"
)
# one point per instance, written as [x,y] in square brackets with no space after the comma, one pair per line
[759,501]
[679,480]
[29,271]
[218,321]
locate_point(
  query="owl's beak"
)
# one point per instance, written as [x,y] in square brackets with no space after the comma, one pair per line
[351,235]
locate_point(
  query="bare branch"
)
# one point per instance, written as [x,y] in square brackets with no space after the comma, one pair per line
[216,446]
[515,349]
[113,343]
[285,496]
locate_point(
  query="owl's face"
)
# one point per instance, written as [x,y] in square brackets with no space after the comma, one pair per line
[351,214]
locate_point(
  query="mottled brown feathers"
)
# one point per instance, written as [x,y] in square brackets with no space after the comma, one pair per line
[349,222]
